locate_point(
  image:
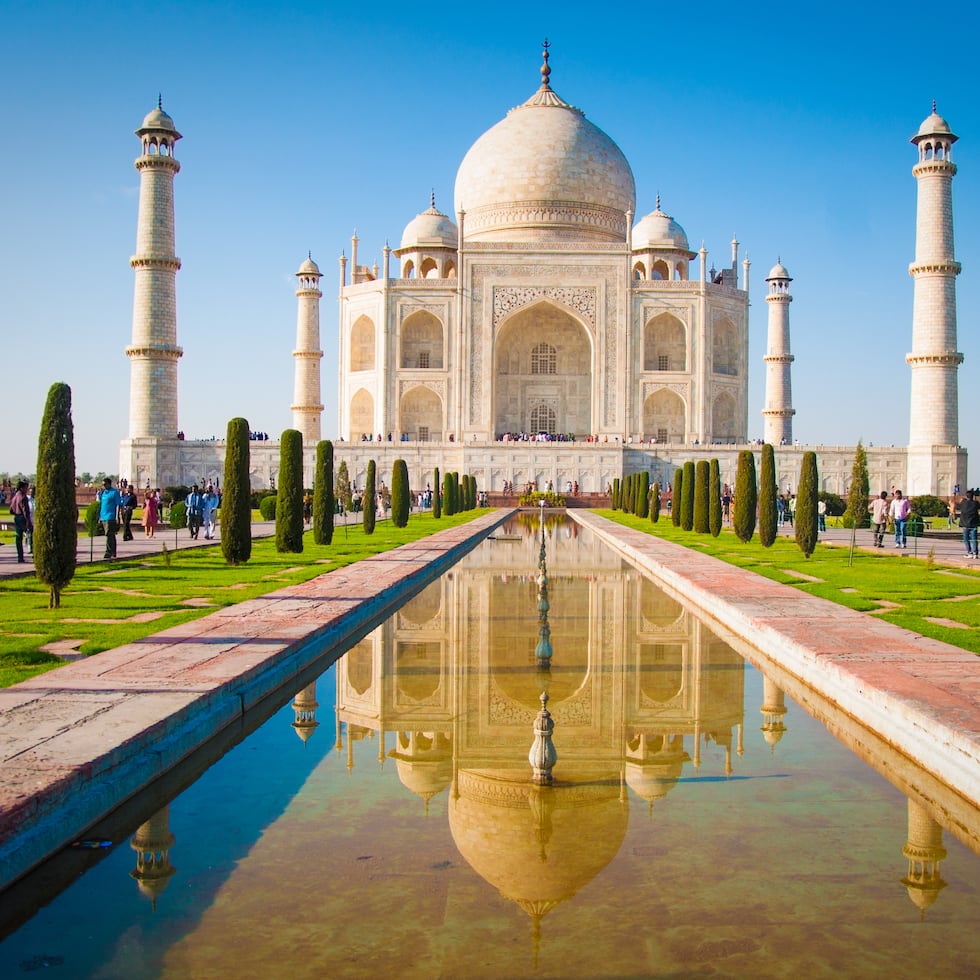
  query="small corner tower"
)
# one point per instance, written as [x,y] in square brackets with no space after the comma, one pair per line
[778,412]
[153,353]
[933,464]
[307,408]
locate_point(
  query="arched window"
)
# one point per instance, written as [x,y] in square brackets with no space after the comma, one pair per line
[544,360]
[724,358]
[543,419]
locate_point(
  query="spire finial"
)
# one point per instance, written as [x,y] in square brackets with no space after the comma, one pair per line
[432,198]
[933,105]
[545,70]
[309,254]
[658,200]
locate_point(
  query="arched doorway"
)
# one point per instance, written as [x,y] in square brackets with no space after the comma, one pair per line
[420,414]
[664,417]
[543,373]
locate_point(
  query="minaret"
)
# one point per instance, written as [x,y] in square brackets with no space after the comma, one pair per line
[934,359]
[307,407]
[154,352]
[778,413]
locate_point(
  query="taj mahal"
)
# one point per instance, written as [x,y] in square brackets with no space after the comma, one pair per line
[544,333]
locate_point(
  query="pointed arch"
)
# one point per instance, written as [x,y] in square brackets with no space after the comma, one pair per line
[361,415]
[543,360]
[421,341]
[362,344]
[421,414]
[664,416]
[429,269]
[664,344]
[723,427]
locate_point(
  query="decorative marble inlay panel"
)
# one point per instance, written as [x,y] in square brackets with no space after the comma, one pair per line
[508,299]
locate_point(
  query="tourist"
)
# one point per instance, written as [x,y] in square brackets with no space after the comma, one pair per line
[22,518]
[899,511]
[109,503]
[878,508]
[127,504]
[151,512]
[821,516]
[29,533]
[195,511]
[969,515]
[210,501]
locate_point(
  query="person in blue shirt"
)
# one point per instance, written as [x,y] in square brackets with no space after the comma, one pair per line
[109,503]
[195,511]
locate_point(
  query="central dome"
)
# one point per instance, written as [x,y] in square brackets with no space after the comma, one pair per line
[544,172]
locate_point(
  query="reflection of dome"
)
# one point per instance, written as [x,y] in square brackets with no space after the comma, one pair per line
[527,841]
[431,228]
[545,172]
[659,230]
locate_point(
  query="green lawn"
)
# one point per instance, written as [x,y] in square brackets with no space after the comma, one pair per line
[936,600]
[107,605]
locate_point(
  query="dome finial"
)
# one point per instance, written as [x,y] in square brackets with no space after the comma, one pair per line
[658,200]
[160,101]
[933,105]
[432,198]
[545,70]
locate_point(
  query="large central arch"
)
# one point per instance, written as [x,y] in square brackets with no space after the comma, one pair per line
[543,371]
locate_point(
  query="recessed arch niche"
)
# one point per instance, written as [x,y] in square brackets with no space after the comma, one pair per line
[421,415]
[664,416]
[664,344]
[362,344]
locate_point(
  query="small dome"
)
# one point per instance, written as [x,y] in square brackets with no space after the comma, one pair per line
[308,268]
[934,125]
[778,271]
[431,228]
[659,230]
[158,119]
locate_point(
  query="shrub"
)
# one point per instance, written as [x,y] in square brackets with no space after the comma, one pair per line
[857,498]
[702,481]
[236,499]
[400,503]
[56,517]
[714,498]
[835,505]
[267,507]
[178,515]
[768,515]
[655,503]
[643,496]
[343,491]
[675,497]
[616,494]
[173,495]
[746,496]
[927,505]
[436,495]
[370,498]
[687,498]
[806,505]
[289,500]
[448,495]
[324,504]
[93,526]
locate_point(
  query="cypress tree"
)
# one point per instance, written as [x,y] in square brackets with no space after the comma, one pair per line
[343,491]
[807,495]
[626,495]
[702,480]
[615,494]
[643,498]
[447,495]
[714,498]
[400,506]
[370,504]
[436,495]
[856,514]
[473,492]
[655,503]
[289,497]
[56,516]
[236,496]
[746,496]
[676,496]
[324,504]
[768,490]
[687,500]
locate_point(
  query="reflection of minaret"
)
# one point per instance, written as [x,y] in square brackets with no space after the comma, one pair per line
[773,709]
[654,763]
[543,651]
[424,761]
[924,850]
[305,705]
[152,842]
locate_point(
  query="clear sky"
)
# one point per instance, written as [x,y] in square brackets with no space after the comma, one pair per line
[785,124]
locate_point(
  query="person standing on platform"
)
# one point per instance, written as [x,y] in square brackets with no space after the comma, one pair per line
[23,524]
[127,504]
[878,508]
[151,513]
[209,510]
[109,503]
[900,510]
[969,513]
[195,511]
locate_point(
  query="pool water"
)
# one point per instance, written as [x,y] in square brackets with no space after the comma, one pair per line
[384,823]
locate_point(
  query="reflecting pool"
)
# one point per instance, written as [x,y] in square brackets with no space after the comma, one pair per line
[383,822]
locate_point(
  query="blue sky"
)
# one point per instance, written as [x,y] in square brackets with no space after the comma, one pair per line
[787,125]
